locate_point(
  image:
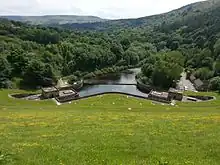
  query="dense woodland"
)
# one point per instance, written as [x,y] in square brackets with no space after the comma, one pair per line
[37,56]
[34,56]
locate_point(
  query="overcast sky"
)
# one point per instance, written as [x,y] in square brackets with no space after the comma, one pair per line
[103,8]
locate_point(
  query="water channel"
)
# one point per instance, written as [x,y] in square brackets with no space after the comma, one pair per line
[107,87]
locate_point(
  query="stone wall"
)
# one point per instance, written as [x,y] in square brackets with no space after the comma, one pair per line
[142,87]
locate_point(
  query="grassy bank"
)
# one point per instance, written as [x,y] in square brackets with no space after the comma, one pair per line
[109,129]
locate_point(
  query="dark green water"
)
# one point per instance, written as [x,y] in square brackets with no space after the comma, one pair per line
[122,78]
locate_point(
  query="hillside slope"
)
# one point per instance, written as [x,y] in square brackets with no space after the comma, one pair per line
[170,17]
[54,19]
[96,23]
[95,131]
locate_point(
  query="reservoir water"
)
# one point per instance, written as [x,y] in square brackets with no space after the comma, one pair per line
[119,78]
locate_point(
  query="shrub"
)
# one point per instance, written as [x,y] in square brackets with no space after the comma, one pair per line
[204,73]
[215,83]
[89,75]
[72,79]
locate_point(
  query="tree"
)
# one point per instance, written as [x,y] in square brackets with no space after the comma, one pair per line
[42,36]
[217,68]
[205,58]
[131,57]
[207,62]
[161,45]
[215,83]
[117,50]
[5,73]
[125,42]
[150,48]
[18,61]
[200,40]
[147,70]
[175,57]
[39,74]
[55,60]
[204,73]
[217,48]
[174,45]
[166,73]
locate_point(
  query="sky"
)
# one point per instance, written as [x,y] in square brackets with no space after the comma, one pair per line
[110,9]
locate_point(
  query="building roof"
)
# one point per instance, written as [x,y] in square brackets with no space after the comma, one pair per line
[50,89]
[173,90]
[198,83]
[62,84]
[159,94]
[64,93]
[192,78]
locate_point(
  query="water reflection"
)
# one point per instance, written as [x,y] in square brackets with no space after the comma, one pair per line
[118,78]
[126,78]
[97,89]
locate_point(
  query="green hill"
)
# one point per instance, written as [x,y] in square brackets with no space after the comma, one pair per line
[149,21]
[96,23]
[54,19]
[96,131]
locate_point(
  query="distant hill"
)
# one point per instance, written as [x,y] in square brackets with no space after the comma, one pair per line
[55,19]
[96,23]
[170,17]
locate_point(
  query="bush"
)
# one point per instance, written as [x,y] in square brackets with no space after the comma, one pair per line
[6,84]
[98,73]
[89,75]
[17,83]
[146,80]
[72,79]
[204,73]
[215,83]
[78,73]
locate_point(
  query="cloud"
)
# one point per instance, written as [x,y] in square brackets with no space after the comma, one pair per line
[102,8]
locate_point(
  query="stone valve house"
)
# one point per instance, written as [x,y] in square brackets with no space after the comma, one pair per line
[172,94]
[50,92]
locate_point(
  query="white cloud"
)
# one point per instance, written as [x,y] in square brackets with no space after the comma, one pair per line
[102,8]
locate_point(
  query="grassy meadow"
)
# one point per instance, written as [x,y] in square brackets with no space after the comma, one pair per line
[108,130]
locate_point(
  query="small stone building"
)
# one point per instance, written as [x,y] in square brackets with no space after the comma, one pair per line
[62,85]
[67,95]
[175,94]
[198,84]
[159,96]
[50,92]
[192,78]
[63,92]
[65,87]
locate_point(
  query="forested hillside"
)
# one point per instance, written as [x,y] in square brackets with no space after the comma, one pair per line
[38,56]
[149,21]
[198,38]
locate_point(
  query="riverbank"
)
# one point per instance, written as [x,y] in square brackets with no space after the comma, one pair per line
[104,71]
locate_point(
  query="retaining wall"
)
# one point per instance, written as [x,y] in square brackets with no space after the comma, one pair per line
[98,94]
[143,88]
[104,93]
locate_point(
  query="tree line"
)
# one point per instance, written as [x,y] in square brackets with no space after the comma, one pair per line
[38,56]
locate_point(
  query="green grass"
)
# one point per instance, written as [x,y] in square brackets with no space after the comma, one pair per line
[101,130]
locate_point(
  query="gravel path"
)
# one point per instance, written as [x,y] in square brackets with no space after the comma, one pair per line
[185,84]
